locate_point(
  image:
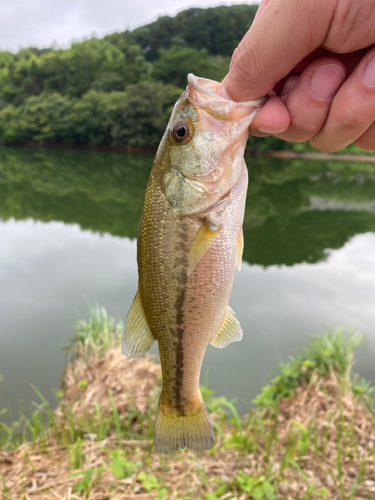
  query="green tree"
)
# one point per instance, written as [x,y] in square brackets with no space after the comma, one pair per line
[217,29]
[108,82]
[21,78]
[10,130]
[88,117]
[175,63]
[141,118]
[73,71]
[136,67]
[45,118]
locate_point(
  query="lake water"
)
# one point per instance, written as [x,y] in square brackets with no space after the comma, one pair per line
[68,226]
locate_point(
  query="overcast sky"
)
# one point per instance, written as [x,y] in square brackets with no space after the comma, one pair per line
[42,22]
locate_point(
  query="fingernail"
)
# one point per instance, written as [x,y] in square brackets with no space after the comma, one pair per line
[369,73]
[326,80]
[269,131]
[256,133]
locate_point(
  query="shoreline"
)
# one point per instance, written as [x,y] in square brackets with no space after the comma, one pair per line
[307,155]
[310,436]
[251,153]
[80,147]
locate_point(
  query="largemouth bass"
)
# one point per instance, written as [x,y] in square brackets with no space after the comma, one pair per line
[190,239]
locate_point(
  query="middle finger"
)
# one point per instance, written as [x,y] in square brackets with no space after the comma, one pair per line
[308,102]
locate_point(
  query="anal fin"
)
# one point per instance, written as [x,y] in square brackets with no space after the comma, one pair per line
[204,237]
[229,332]
[137,337]
[239,252]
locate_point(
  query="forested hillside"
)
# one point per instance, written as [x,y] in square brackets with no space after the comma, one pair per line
[118,90]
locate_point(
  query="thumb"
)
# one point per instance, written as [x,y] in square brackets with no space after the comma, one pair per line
[283,33]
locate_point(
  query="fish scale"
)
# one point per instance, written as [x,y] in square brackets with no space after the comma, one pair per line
[190,238]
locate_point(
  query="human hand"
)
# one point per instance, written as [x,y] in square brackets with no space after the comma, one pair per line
[316,61]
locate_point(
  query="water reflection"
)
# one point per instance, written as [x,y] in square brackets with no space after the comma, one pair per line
[98,191]
[295,209]
[48,273]
[309,246]
[284,225]
[281,306]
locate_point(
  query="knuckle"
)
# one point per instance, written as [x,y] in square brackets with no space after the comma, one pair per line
[349,27]
[366,142]
[306,115]
[307,120]
[244,73]
[350,118]
[308,128]
[243,63]
[341,25]
[294,135]
[323,145]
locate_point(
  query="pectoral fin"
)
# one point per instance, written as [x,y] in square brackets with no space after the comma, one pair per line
[206,234]
[229,332]
[240,245]
[137,337]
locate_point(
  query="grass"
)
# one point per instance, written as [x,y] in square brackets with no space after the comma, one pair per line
[329,353]
[97,334]
[311,435]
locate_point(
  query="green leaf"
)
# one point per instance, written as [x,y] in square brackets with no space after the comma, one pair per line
[82,384]
[117,469]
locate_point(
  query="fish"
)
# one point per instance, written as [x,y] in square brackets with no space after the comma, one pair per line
[190,239]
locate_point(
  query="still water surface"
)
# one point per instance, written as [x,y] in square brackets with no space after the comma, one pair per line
[68,225]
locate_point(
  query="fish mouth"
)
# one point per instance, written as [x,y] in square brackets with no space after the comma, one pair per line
[203,95]
[210,88]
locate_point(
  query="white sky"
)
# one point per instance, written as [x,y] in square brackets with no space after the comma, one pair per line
[41,22]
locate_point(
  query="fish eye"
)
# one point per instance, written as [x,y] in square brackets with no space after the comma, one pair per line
[182,132]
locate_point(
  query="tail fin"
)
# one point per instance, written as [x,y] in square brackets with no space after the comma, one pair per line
[174,431]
